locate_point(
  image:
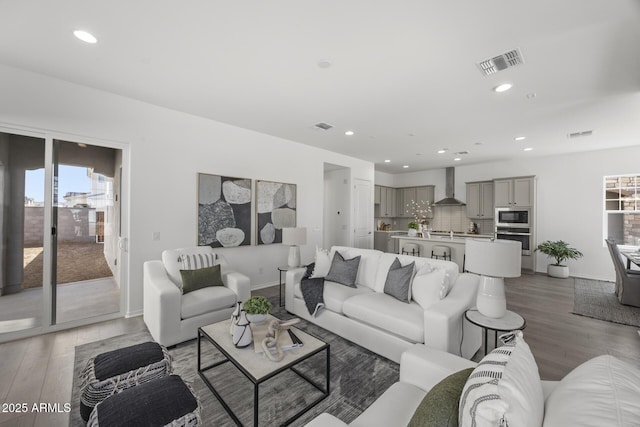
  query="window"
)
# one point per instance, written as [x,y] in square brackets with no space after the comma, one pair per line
[622,208]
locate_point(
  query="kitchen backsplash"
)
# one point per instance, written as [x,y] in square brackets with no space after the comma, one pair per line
[445,218]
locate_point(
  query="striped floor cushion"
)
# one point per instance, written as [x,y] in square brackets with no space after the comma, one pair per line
[161,402]
[118,370]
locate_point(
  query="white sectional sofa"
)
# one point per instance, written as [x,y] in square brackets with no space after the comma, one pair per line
[367,316]
[603,391]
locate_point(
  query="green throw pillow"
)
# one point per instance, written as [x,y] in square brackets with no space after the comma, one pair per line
[439,408]
[193,280]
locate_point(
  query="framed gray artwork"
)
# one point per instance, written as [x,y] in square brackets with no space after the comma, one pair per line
[275,209]
[224,211]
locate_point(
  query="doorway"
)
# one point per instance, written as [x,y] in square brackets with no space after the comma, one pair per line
[59,235]
[337,206]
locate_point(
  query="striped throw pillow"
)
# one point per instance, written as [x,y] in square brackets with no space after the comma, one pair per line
[504,389]
[197,261]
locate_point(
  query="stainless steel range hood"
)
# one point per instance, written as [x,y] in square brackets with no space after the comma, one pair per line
[450,182]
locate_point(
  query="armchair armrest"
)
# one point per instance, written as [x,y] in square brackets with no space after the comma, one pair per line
[161,303]
[424,367]
[446,329]
[293,277]
[238,283]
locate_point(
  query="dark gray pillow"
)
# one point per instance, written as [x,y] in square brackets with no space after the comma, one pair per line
[192,280]
[343,271]
[398,283]
[439,408]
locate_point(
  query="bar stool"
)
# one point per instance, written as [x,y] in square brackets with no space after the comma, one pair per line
[410,249]
[439,251]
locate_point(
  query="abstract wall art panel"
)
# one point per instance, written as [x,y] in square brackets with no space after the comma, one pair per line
[224,211]
[275,209]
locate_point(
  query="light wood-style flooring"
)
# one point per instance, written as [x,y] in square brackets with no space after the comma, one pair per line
[39,369]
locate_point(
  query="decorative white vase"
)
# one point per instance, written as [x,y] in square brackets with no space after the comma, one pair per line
[412,232]
[256,319]
[242,336]
[559,271]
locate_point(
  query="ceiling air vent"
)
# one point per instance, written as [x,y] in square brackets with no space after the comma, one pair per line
[580,134]
[323,126]
[500,62]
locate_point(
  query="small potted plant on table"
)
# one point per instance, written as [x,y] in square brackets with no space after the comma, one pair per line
[257,308]
[561,251]
[413,229]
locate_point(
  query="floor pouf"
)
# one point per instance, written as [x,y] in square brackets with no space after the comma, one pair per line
[161,402]
[114,371]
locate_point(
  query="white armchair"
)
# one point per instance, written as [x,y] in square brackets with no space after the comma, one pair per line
[172,317]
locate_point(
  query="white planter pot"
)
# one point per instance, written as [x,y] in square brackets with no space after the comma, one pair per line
[256,319]
[559,271]
[412,232]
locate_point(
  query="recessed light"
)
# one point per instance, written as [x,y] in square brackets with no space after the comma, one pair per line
[519,138]
[349,132]
[82,145]
[387,161]
[457,159]
[85,36]
[528,149]
[405,166]
[442,151]
[502,87]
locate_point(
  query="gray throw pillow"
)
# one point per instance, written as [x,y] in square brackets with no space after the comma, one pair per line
[193,280]
[343,271]
[439,408]
[398,283]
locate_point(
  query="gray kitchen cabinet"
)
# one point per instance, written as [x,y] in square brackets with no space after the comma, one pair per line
[376,194]
[514,192]
[425,194]
[480,200]
[404,206]
[387,207]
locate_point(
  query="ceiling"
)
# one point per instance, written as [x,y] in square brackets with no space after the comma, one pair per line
[402,75]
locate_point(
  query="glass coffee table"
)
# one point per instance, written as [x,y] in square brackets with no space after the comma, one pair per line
[257,367]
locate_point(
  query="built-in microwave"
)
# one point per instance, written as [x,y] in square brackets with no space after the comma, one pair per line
[513,217]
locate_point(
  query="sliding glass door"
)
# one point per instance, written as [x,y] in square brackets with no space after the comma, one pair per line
[60,224]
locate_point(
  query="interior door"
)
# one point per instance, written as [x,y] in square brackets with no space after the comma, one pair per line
[362,214]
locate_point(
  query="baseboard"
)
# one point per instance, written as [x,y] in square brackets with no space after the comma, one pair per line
[264,285]
[134,313]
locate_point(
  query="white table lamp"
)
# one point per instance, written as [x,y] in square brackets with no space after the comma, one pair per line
[493,260]
[294,237]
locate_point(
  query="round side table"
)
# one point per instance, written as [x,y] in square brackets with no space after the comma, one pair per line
[509,322]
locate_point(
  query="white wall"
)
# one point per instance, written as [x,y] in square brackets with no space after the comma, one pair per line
[569,201]
[168,149]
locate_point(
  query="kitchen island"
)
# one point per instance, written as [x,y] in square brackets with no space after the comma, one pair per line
[456,244]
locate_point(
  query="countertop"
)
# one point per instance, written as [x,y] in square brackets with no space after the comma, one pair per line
[457,238]
[391,231]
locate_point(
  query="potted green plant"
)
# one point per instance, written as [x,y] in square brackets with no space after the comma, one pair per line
[257,308]
[413,228]
[561,251]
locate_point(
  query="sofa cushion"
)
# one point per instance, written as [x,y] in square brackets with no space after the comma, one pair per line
[343,271]
[439,408]
[336,294]
[603,391]
[429,286]
[368,268]
[398,283]
[386,259]
[394,408]
[207,299]
[322,263]
[192,258]
[192,280]
[387,313]
[504,389]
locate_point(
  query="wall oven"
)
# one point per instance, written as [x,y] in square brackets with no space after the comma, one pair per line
[519,234]
[513,217]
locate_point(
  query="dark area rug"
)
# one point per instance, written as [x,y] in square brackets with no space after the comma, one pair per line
[358,377]
[596,299]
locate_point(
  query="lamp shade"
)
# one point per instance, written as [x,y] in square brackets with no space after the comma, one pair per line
[495,258]
[294,236]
